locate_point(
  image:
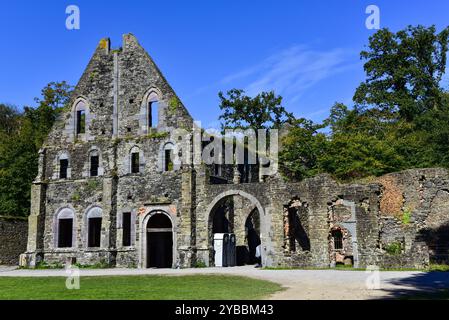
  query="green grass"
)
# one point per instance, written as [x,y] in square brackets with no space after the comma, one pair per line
[196,287]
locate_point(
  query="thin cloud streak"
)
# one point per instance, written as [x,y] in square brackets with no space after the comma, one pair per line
[293,71]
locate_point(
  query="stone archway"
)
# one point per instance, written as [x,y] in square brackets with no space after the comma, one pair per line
[243,218]
[158,240]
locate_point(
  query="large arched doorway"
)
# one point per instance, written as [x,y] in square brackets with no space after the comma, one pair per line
[159,241]
[239,213]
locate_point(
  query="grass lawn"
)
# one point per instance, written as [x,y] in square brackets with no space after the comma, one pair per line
[196,287]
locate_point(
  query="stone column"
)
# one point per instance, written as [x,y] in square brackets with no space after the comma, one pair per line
[186,236]
[36,220]
[203,244]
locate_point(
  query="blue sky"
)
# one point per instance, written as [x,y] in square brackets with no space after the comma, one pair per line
[307,51]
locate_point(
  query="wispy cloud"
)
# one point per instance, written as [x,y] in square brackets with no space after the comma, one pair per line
[293,71]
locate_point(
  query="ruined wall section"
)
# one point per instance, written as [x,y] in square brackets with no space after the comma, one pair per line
[13,239]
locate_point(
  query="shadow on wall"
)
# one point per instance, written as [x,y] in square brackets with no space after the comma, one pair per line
[426,285]
[437,240]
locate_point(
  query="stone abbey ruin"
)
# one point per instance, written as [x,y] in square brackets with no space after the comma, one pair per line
[108,192]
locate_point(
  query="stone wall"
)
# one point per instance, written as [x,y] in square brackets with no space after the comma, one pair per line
[13,239]
[401,219]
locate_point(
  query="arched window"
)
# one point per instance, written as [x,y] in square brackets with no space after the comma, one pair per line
[135,160]
[80,117]
[153,107]
[94,219]
[338,239]
[64,228]
[168,156]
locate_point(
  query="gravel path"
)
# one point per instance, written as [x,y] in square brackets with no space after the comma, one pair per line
[299,284]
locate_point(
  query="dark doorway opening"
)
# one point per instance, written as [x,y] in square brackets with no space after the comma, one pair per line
[94,233]
[252,238]
[65,233]
[159,242]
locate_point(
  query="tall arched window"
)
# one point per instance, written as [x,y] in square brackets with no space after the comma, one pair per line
[94,219]
[64,228]
[80,117]
[151,110]
[153,106]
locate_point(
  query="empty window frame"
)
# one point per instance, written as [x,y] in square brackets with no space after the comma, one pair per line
[63,168]
[338,239]
[168,159]
[135,162]
[153,107]
[94,164]
[80,122]
[64,231]
[126,225]
[94,232]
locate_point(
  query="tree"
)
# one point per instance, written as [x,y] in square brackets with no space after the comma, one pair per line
[404,71]
[264,111]
[20,140]
[301,150]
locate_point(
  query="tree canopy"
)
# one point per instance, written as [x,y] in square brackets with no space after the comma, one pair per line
[21,136]
[399,120]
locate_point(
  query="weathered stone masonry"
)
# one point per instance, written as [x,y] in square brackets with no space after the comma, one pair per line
[13,236]
[107,192]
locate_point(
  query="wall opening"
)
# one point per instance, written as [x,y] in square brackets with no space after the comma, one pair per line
[81,121]
[252,231]
[338,239]
[239,215]
[63,168]
[94,232]
[153,107]
[168,157]
[94,164]
[126,225]
[159,241]
[65,232]
[135,162]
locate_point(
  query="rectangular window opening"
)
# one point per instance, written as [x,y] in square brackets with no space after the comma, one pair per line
[168,166]
[63,167]
[338,240]
[94,164]
[94,233]
[126,229]
[65,229]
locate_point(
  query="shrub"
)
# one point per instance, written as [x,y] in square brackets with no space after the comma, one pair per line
[394,248]
[200,264]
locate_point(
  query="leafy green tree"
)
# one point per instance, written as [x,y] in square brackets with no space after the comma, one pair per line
[301,150]
[404,71]
[265,111]
[21,136]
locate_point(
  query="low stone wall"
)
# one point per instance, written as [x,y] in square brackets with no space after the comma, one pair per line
[13,239]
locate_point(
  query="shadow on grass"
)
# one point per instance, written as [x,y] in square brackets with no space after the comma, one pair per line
[426,285]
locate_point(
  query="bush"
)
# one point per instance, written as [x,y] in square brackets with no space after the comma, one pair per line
[394,248]
[200,264]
